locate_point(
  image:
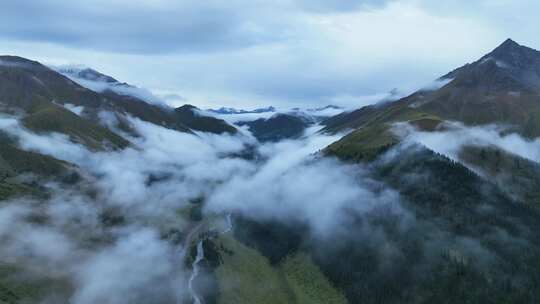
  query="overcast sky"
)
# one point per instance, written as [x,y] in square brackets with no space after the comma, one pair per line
[248,53]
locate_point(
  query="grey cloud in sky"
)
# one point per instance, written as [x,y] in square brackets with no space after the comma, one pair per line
[255,53]
[157,27]
[142,27]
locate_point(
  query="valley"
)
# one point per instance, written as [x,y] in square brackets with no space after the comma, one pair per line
[110,195]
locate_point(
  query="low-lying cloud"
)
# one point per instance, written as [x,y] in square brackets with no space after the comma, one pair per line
[453,136]
[110,236]
[102,85]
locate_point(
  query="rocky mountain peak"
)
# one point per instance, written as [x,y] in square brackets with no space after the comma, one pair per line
[509,67]
[510,54]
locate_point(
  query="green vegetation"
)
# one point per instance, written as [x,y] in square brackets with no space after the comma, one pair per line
[245,276]
[15,162]
[17,286]
[21,161]
[374,135]
[458,239]
[32,87]
[364,144]
[307,282]
[13,189]
[518,177]
[57,119]
[464,102]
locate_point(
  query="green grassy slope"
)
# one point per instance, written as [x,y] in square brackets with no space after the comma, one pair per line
[21,161]
[54,118]
[5,168]
[14,162]
[17,286]
[364,144]
[376,114]
[245,276]
[9,190]
[374,135]
[477,106]
[33,88]
[27,85]
[308,283]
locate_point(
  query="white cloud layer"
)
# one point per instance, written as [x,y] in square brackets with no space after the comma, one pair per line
[145,186]
[455,136]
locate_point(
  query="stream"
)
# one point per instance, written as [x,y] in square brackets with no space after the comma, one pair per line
[200,256]
[195,273]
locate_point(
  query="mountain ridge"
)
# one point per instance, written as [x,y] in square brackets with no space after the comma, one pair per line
[479,93]
[28,85]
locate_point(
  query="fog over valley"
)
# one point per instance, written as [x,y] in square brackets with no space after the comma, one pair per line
[295,152]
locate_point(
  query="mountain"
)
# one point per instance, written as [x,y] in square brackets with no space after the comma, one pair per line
[332,107]
[502,87]
[271,125]
[186,115]
[194,119]
[318,114]
[86,74]
[30,86]
[22,171]
[430,255]
[447,249]
[221,219]
[512,67]
[226,111]
[41,97]
[35,90]
[278,127]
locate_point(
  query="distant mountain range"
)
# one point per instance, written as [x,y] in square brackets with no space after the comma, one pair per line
[269,109]
[271,125]
[226,111]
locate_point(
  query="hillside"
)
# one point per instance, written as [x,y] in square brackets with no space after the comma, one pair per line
[453,238]
[197,121]
[502,87]
[30,86]
[277,127]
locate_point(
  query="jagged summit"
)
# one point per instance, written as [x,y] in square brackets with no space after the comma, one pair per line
[502,87]
[512,54]
[509,67]
[508,44]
